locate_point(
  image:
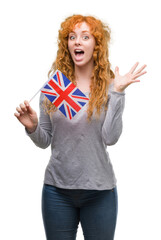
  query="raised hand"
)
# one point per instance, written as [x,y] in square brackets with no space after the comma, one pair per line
[27,116]
[122,82]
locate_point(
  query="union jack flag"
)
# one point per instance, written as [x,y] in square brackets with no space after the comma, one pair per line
[64,94]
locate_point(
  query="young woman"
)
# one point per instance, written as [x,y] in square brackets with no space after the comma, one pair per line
[79,183]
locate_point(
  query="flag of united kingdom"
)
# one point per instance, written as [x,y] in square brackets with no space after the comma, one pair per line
[64,94]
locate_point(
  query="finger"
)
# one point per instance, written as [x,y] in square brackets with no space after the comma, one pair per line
[19,110]
[116,70]
[26,103]
[139,74]
[23,107]
[30,110]
[135,80]
[140,69]
[134,67]
[17,115]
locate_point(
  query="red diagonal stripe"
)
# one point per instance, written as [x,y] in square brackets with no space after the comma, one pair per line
[64,95]
[49,93]
[68,109]
[84,98]
[55,86]
[58,78]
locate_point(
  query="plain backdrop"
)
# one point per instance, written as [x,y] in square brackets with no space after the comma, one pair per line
[28,46]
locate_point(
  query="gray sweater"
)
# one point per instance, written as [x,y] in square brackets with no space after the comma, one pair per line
[79,157]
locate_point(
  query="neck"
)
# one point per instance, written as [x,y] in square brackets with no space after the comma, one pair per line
[83,73]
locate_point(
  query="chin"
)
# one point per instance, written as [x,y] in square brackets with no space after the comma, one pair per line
[82,63]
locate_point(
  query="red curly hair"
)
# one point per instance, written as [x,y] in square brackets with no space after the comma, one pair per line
[102,73]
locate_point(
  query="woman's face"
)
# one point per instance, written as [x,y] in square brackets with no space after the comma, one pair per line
[81,45]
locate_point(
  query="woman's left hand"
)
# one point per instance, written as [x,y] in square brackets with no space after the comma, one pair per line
[122,82]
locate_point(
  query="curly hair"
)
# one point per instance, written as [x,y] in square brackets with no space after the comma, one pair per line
[102,73]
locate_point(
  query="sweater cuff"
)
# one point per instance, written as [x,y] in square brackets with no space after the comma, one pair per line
[118,93]
[33,134]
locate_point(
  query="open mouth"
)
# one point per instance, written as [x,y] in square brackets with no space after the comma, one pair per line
[78,52]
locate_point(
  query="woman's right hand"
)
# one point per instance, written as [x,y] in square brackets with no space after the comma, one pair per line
[27,116]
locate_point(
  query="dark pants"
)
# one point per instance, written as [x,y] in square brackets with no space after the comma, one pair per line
[63,209]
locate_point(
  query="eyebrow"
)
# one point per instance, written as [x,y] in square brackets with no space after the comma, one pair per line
[86,31]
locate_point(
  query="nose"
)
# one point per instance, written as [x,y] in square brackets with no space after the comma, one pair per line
[77,41]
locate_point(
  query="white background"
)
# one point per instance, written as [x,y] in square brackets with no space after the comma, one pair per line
[28,47]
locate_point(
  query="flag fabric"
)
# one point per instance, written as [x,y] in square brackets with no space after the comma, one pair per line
[64,94]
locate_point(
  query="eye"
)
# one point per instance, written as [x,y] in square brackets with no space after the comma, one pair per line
[71,37]
[85,37]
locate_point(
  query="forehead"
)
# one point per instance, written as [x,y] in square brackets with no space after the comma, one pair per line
[83,26]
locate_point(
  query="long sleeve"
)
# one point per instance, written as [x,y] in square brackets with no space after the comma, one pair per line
[112,126]
[43,133]
[79,157]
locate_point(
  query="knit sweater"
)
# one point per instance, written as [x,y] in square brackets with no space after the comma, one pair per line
[79,149]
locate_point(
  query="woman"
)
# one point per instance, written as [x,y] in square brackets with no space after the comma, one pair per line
[80,184]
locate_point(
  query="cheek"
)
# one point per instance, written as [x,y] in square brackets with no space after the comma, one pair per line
[90,50]
[91,47]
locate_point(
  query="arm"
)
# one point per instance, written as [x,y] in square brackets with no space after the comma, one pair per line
[39,132]
[43,133]
[112,126]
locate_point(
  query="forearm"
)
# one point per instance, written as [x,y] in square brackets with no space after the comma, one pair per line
[40,137]
[41,133]
[112,127]
[31,129]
